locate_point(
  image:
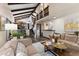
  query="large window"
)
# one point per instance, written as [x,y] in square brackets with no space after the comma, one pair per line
[46,11]
[37,17]
[41,14]
[43,11]
[42,6]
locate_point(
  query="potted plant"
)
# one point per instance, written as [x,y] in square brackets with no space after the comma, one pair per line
[14,34]
[21,35]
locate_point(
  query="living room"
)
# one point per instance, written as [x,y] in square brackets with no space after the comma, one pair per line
[41,29]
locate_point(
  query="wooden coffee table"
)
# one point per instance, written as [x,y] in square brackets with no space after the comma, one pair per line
[56,49]
[60,46]
[51,49]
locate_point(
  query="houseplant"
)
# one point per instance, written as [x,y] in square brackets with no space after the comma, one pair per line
[14,34]
[18,35]
[21,35]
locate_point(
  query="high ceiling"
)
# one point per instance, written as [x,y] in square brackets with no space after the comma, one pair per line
[22,10]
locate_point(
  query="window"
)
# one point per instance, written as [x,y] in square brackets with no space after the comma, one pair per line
[46,11]
[41,14]
[37,17]
[41,6]
[44,8]
[45,5]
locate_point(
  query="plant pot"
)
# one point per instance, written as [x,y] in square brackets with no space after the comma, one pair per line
[21,37]
[15,38]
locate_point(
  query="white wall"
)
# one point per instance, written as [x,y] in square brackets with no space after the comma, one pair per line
[62,9]
[2,38]
[6,12]
[2,32]
[58,25]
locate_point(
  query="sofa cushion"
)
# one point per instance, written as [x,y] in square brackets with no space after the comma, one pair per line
[20,48]
[26,41]
[21,54]
[31,50]
[37,54]
[39,47]
[43,54]
[13,44]
[7,52]
[9,44]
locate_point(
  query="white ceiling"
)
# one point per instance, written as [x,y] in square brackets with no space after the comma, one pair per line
[22,8]
[22,11]
[62,10]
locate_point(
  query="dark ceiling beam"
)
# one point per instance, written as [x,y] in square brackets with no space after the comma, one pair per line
[22,13]
[33,15]
[23,9]
[17,3]
[22,16]
[36,7]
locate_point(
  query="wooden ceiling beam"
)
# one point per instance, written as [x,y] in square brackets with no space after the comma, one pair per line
[23,9]
[36,7]
[22,16]
[22,13]
[17,3]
